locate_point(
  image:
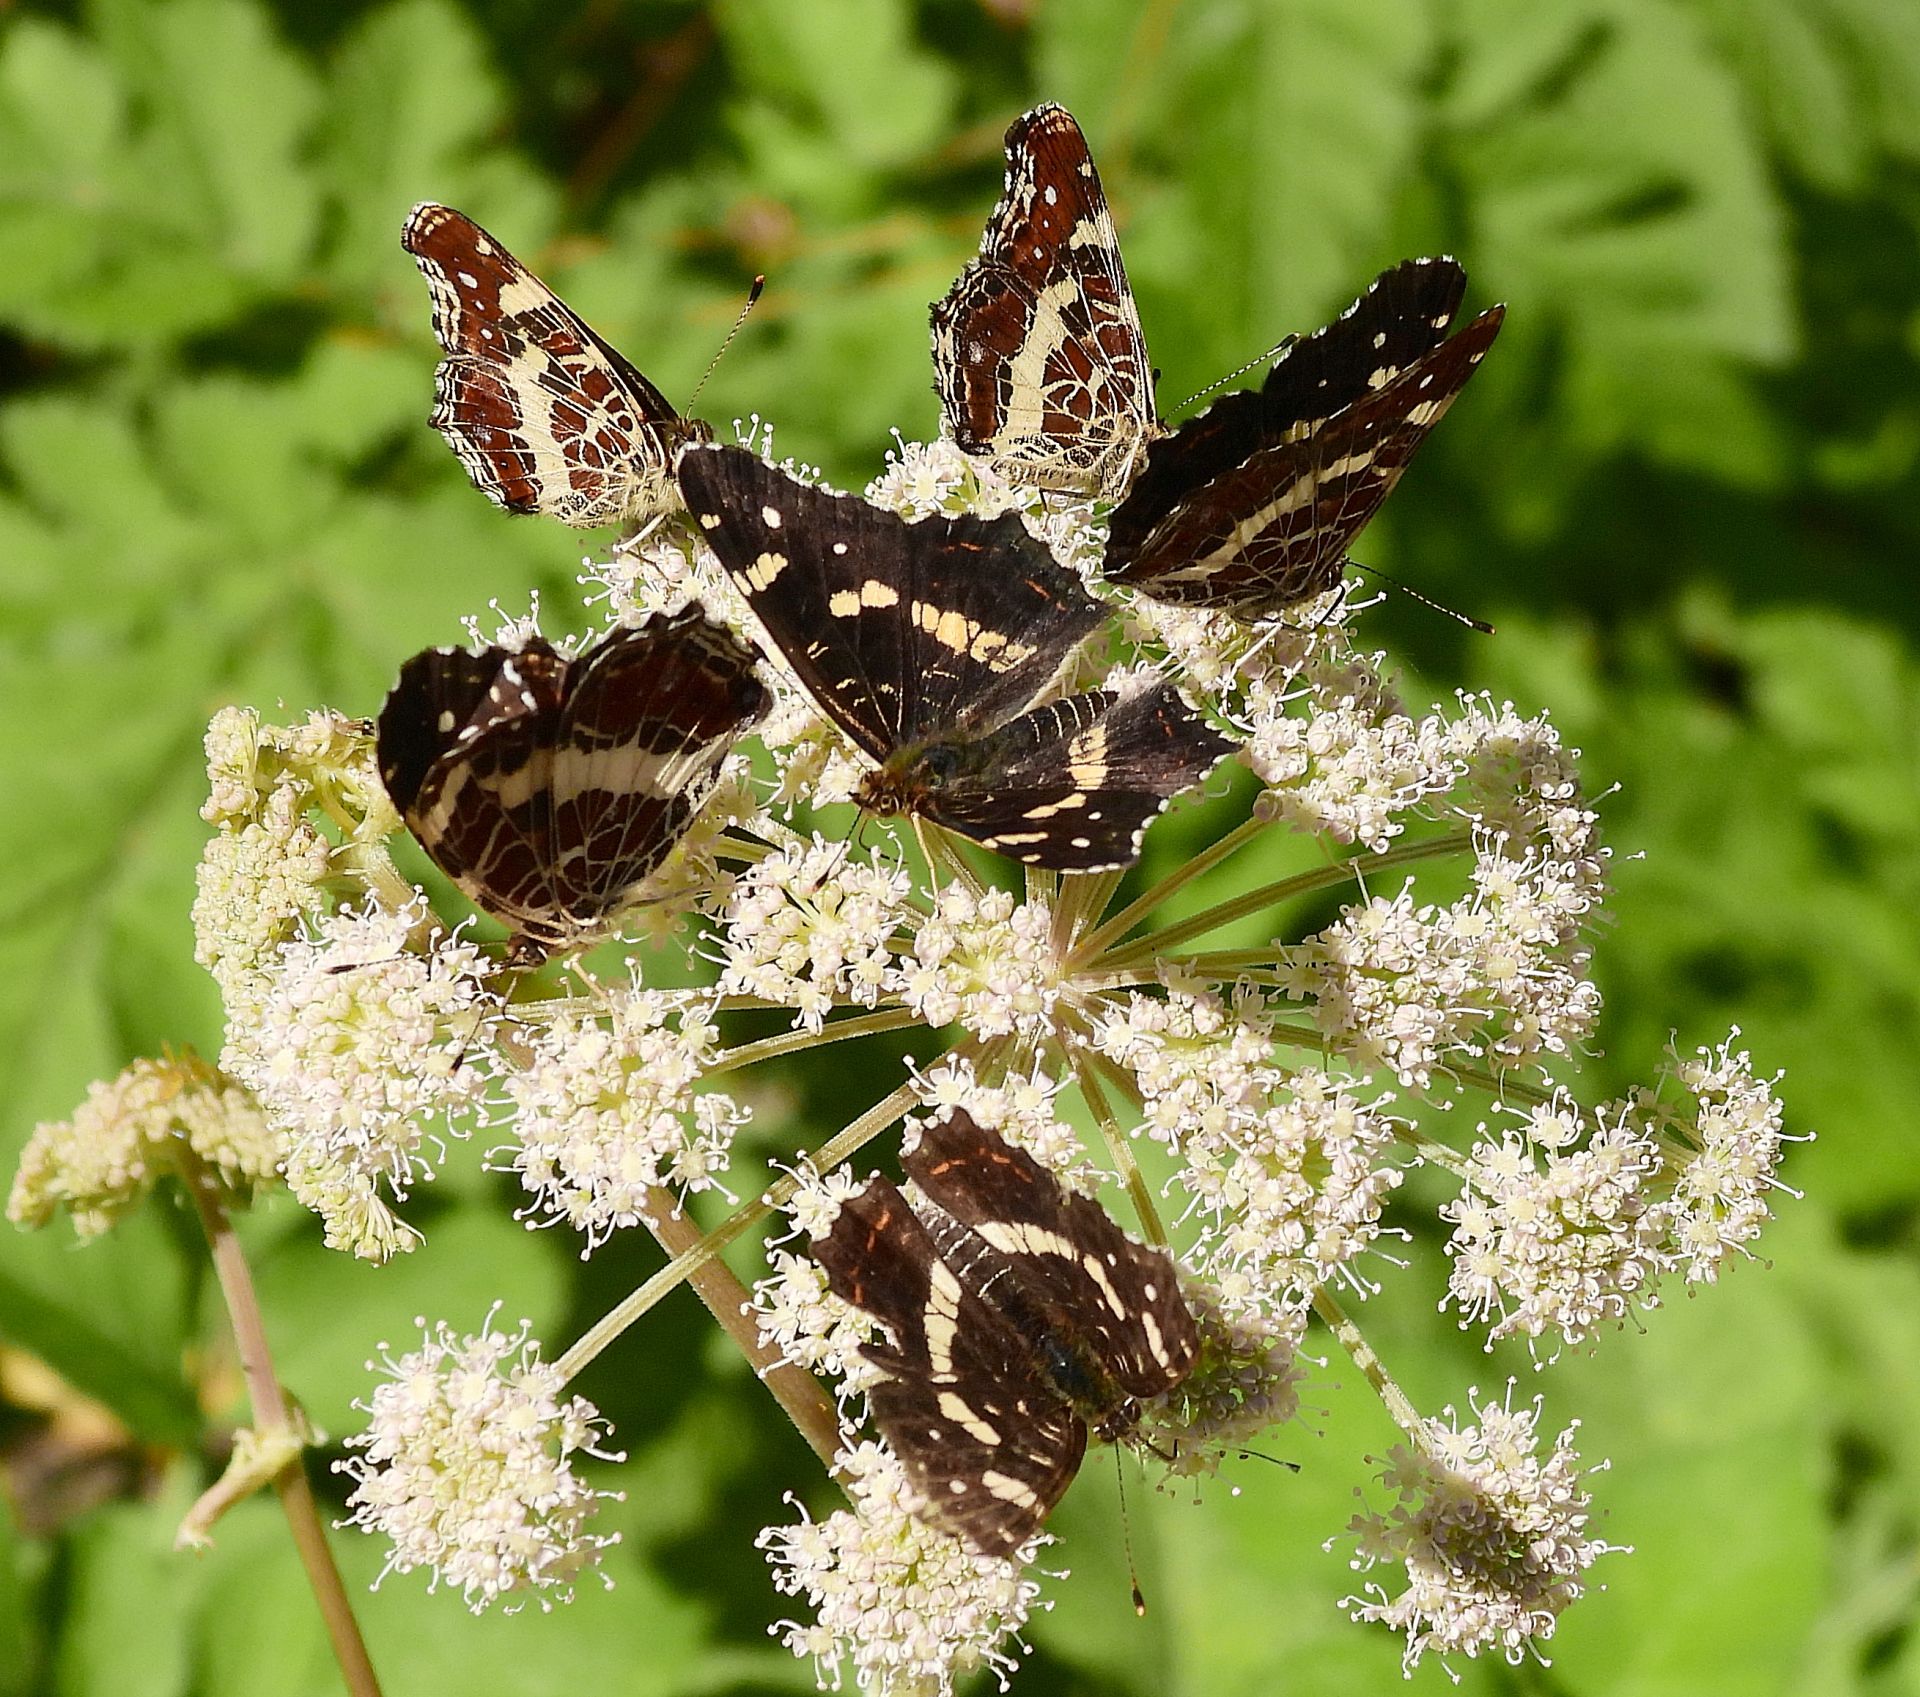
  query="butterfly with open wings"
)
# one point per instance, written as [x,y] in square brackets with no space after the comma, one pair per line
[934,646]
[1018,1318]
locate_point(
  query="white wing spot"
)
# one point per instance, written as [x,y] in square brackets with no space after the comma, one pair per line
[770,517]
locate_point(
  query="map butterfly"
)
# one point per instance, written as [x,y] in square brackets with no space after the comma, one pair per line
[929,644]
[1250,507]
[1018,1317]
[548,787]
[545,415]
[1038,355]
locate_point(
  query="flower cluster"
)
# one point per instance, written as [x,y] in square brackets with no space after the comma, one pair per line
[607,1123]
[1268,1098]
[364,1043]
[1493,1536]
[908,1607]
[1568,1221]
[467,1467]
[155,1118]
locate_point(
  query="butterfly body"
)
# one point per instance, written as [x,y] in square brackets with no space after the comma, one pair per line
[548,787]
[546,416]
[1019,1319]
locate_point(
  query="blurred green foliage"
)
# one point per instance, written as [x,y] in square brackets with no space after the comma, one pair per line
[1686,487]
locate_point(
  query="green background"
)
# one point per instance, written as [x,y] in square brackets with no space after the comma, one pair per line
[1684,486]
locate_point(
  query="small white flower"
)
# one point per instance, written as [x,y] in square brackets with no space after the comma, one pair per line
[1492,1536]
[607,1117]
[362,1040]
[1019,1108]
[468,1468]
[910,1608]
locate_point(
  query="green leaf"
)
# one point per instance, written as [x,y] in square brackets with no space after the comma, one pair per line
[412,103]
[20,1599]
[1619,197]
[848,69]
[125,1631]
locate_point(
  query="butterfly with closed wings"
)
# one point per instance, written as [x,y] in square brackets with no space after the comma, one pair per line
[548,787]
[545,415]
[1018,1317]
[932,645]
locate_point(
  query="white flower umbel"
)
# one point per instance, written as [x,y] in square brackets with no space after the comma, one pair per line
[133,1129]
[467,1467]
[910,1610]
[368,1035]
[1559,1229]
[1020,1108]
[925,478]
[1723,1152]
[606,1114]
[1246,1382]
[984,961]
[1491,1536]
[808,927]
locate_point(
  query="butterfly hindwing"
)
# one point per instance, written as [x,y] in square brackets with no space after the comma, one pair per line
[547,788]
[1074,784]
[1122,1296]
[897,630]
[1038,354]
[545,415]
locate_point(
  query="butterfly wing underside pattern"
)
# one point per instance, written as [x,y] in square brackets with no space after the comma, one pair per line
[1038,354]
[545,415]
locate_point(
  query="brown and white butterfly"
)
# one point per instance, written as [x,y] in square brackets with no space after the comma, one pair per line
[546,416]
[1037,351]
[1041,366]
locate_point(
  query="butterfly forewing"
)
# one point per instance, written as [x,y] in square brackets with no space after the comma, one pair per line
[545,415]
[547,789]
[899,631]
[1121,1296]
[1038,354]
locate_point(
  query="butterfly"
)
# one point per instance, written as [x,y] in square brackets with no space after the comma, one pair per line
[1250,507]
[933,646]
[548,787]
[1038,355]
[1018,1317]
[545,415]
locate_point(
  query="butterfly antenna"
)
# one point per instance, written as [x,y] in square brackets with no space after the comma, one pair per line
[1126,1536]
[753,294]
[1412,594]
[1261,1455]
[1267,358]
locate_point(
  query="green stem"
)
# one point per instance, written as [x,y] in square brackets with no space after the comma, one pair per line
[1502,1085]
[1119,1150]
[796,1390]
[1362,1355]
[271,1415]
[787,1042]
[1130,915]
[823,1160]
[1281,889]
